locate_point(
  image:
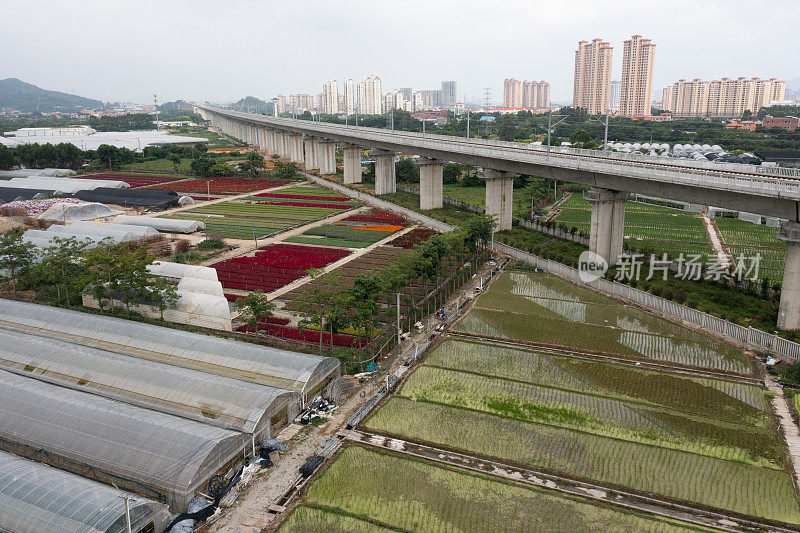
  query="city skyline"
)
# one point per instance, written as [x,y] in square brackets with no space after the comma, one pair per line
[698,44]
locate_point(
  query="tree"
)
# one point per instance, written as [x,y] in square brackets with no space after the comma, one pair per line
[109,155]
[255,306]
[101,263]
[175,159]
[15,254]
[132,279]
[451,172]
[406,171]
[6,158]
[580,136]
[317,300]
[63,258]
[479,230]
[747,115]
[164,293]
[286,169]
[201,167]
[362,295]
[252,164]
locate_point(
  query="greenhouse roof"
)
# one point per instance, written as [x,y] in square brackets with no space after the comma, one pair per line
[181,270]
[35,497]
[209,398]
[164,456]
[245,361]
[178,225]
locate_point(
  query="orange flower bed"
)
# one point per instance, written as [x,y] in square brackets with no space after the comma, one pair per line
[387,227]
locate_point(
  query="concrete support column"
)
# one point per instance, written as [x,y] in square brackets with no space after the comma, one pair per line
[430,183]
[789,309]
[272,142]
[385,178]
[295,149]
[280,144]
[310,155]
[607,224]
[326,156]
[351,161]
[499,197]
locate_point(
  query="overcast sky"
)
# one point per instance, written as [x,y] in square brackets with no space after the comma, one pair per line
[221,50]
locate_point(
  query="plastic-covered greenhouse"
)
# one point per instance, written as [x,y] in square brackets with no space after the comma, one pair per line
[283,369]
[209,398]
[160,456]
[36,498]
[169,225]
[91,231]
[181,270]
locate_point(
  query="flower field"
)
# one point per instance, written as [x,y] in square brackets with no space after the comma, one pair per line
[412,238]
[347,235]
[377,216]
[537,308]
[410,495]
[273,266]
[744,488]
[244,220]
[221,185]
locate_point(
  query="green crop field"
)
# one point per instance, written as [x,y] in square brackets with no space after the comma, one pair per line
[748,239]
[340,235]
[744,488]
[311,519]
[722,400]
[538,308]
[412,495]
[242,220]
[656,228]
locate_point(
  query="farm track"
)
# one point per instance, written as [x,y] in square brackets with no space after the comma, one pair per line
[598,493]
[592,356]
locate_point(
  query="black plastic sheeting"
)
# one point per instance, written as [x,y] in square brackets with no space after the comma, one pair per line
[9,194]
[207,511]
[312,463]
[129,197]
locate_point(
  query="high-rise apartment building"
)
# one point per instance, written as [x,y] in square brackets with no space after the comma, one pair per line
[636,87]
[417,102]
[369,96]
[535,94]
[727,97]
[280,104]
[431,98]
[330,96]
[393,100]
[406,92]
[512,93]
[592,80]
[614,98]
[449,94]
[350,97]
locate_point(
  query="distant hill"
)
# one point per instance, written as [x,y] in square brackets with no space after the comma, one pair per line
[29,98]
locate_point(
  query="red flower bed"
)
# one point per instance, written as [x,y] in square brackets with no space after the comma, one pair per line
[303,197]
[306,204]
[134,180]
[222,185]
[412,238]
[378,216]
[274,266]
[203,198]
[307,335]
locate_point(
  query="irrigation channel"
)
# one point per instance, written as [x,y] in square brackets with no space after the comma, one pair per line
[593,491]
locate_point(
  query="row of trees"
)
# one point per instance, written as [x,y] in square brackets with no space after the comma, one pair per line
[62,271]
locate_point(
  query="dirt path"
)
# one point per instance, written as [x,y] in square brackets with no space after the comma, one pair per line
[250,513]
[791,433]
[723,257]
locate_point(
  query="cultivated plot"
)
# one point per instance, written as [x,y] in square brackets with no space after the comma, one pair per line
[382,490]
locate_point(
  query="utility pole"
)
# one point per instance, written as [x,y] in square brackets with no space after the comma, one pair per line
[155,105]
[391,111]
[424,109]
[549,125]
[467,123]
[399,328]
[605,137]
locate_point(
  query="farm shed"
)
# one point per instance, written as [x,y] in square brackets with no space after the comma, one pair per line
[35,497]
[215,400]
[265,365]
[163,457]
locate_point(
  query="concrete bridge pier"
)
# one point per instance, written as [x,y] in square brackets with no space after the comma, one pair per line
[430,183]
[789,309]
[310,153]
[499,197]
[351,161]
[283,145]
[326,156]
[295,148]
[385,178]
[608,223]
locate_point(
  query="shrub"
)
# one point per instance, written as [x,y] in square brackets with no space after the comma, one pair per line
[182,246]
[210,244]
